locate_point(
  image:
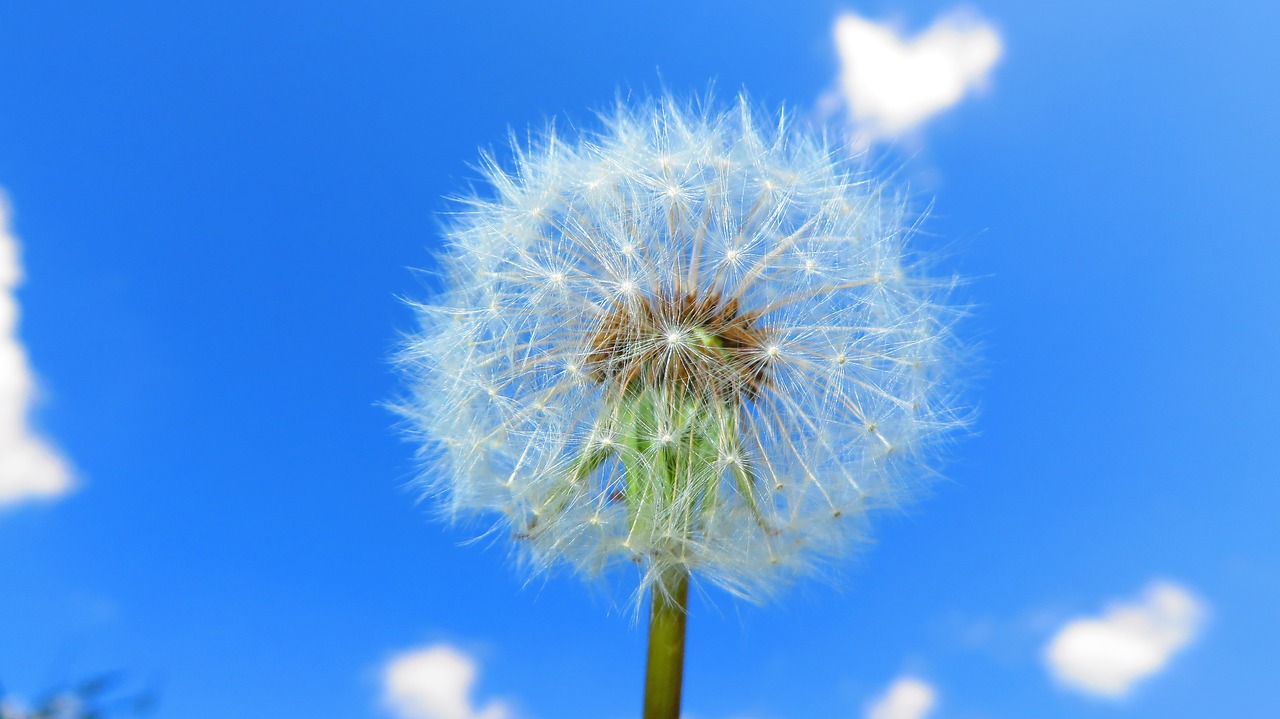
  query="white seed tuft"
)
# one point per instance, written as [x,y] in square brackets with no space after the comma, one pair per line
[606,307]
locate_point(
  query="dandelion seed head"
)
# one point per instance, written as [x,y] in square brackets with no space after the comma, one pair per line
[692,338]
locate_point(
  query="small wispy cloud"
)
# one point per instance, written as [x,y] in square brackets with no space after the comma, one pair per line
[891,84]
[1107,656]
[435,682]
[30,469]
[906,698]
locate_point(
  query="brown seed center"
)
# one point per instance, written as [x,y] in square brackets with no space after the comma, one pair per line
[692,343]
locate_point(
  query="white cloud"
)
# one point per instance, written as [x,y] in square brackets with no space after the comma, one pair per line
[1106,656]
[906,698]
[435,683]
[891,84]
[29,468]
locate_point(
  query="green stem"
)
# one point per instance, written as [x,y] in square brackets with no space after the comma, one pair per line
[664,674]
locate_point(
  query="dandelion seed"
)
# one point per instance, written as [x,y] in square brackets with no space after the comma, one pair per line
[708,420]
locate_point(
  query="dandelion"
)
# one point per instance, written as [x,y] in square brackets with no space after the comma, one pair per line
[690,341]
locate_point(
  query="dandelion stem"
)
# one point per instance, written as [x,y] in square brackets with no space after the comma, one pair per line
[664,674]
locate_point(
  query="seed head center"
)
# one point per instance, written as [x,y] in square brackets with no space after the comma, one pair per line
[688,342]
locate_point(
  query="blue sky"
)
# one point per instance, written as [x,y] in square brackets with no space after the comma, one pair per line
[219,204]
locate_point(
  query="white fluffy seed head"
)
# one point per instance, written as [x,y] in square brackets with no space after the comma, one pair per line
[727,305]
